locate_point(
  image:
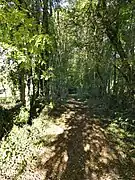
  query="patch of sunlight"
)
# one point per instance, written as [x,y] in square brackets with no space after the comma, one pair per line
[65,157]
[54,130]
[87,148]
[110,176]
[103,160]
[94,175]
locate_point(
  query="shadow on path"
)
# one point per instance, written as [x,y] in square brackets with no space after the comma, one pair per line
[6,119]
[84,151]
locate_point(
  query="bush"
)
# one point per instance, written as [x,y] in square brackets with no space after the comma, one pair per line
[22,117]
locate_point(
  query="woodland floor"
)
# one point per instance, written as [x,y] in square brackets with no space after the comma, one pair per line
[81,149]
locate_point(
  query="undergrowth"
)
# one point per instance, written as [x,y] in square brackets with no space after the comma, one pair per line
[123,135]
[22,145]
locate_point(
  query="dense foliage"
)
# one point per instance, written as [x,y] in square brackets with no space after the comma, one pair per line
[86,45]
[52,49]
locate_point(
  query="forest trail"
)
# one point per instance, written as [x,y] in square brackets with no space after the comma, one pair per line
[84,151]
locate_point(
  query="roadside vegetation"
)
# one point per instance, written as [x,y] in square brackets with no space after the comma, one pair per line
[67,90]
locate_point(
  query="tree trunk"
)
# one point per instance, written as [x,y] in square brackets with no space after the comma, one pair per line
[22,87]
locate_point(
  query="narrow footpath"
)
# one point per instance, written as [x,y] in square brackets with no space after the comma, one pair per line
[84,151]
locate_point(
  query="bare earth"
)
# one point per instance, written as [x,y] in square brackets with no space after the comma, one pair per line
[81,150]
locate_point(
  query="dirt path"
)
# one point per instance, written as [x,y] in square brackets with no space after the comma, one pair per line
[84,151]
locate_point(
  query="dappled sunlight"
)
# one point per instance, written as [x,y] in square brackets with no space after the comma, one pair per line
[67,90]
[83,151]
